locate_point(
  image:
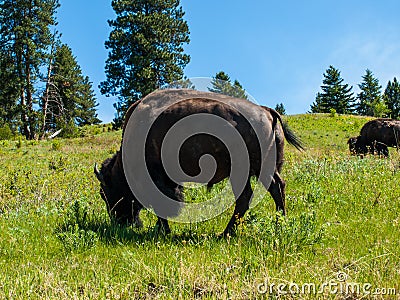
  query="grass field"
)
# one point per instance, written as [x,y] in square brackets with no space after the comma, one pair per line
[340,239]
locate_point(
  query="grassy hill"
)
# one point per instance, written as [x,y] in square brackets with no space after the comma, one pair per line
[342,229]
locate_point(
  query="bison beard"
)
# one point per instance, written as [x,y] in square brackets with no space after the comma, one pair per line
[122,204]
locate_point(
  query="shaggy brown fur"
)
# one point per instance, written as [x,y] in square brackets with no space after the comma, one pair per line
[375,136]
[115,191]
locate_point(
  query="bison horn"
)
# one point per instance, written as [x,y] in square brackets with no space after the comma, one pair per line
[99,175]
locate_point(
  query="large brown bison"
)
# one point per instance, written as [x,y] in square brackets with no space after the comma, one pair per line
[375,136]
[239,113]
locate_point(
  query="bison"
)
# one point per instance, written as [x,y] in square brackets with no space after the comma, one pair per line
[380,149]
[121,201]
[357,148]
[375,136]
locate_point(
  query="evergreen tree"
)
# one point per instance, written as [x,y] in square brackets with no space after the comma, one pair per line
[222,84]
[335,94]
[370,96]
[25,36]
[391,98]
[146,50]
[8,91]
[85,107]
[319,106]
[238,91]
[70,99]
[184,83]
[280,109]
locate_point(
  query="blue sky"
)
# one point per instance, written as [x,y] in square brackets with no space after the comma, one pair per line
[278,50]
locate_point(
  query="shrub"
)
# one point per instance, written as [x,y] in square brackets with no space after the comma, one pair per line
[74,232]
[74,238]
[58,164]
[69,129]
[286,235]
[56,145]
[5,133]
[19,142]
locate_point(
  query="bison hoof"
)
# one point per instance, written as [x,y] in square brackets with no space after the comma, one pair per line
[228,232]
[162,228]
[137,224]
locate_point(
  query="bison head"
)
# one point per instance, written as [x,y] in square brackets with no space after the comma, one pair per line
[114,189]
[352,145]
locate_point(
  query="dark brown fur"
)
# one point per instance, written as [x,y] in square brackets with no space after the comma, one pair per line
[122,204]
[375,136]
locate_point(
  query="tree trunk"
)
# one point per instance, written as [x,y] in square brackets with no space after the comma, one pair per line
[46,96]
[24,117]
[29,99]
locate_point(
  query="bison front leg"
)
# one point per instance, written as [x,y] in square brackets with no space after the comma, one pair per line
[242,205]
[174,192]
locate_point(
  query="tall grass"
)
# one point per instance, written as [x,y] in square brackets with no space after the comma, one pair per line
[56,240]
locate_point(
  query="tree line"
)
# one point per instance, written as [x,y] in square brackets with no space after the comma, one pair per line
[42,88]
[337,96]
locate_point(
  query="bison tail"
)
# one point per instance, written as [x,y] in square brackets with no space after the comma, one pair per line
[290,136]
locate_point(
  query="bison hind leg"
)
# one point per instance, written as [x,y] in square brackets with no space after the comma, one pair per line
[137,222]
[277,190]
[162,226]
[242,205]
[209,187]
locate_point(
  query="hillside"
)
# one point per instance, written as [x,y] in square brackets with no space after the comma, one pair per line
[56,240]
[323,131]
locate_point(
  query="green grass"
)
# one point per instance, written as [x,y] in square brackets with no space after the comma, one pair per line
[57,242]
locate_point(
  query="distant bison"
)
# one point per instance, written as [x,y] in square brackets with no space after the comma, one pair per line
[375,136]
[380,149]
[122,204]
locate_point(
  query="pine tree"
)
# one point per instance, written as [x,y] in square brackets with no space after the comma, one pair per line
[335,94]
[8,91]
[70,98]
[280,109]
[184,83]
[222,84]
[319,106]
[25,35]
[146,50]
[370,96]
[391,98]
[238,91]
[85,106]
